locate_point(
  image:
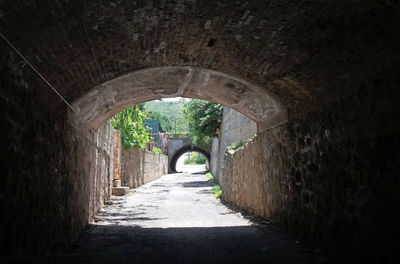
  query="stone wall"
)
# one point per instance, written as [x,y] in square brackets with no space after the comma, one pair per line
[235,127]
[214,156]
[140,166]
[53,175]
[253,175]
[174,143]
[102,173]
[330,177]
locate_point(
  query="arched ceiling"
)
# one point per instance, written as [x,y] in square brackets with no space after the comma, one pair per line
[298,52]
[109,98]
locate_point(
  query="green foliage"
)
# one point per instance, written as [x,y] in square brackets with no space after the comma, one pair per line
[171,109]
[217,191]
[157,150]
[210,177]
[235,146]
[201,159]
[198,158]
[204,119]
[216,188]
[186,161]
[195,159]
[130,123]
[170,115]
[165,121]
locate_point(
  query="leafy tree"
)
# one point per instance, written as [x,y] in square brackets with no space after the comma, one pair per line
[196,158]
[130,123]
[170,115]
[204,119]
[165,121]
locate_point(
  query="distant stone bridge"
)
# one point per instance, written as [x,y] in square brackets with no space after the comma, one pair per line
[177,146]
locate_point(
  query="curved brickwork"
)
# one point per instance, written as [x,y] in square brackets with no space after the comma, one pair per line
[109,98]
[293,49]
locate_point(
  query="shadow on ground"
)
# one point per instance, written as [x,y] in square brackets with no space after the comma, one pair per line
[234,244]
[196,184]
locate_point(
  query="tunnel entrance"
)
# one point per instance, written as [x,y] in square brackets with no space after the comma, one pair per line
[192,162]
[181,151]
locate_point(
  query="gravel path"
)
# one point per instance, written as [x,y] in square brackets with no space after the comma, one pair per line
[177,219]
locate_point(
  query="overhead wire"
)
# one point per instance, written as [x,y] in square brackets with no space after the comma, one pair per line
[91,129]
[39,74]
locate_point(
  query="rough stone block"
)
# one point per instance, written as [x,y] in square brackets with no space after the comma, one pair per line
[120,191]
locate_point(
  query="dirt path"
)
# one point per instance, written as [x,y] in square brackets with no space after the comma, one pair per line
[177,219]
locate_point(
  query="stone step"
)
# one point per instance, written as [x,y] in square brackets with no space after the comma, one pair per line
[120,191]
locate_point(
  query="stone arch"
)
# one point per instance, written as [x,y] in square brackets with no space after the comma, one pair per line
[179,152]
[109,98]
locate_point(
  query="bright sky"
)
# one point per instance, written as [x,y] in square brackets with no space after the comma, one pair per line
[174,99]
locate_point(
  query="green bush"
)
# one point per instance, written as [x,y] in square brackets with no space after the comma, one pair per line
[195,159]
[236,145]
[157,150]
[204,118]
[130,123]
[210,177]
[186,161]
[217,191]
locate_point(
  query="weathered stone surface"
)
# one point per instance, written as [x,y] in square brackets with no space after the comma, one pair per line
[179,145]
[175,143]
[214,156]
[55,175]
[120,191]
[235,128]
[109,98]
[330,177]
[291,49]
[251,178]
[141,166]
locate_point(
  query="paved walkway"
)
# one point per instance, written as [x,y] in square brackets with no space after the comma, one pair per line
[177,219]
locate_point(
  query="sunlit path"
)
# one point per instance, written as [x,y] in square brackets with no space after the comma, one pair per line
[175,200]
[177,219]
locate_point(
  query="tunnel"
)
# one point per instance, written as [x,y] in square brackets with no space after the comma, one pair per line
[182,150]
[319,78]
